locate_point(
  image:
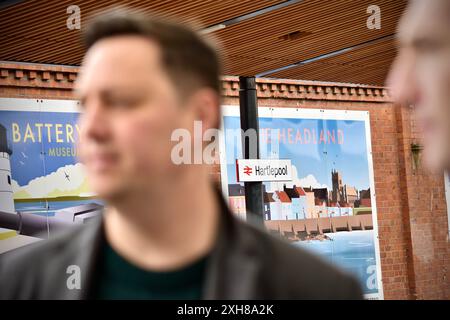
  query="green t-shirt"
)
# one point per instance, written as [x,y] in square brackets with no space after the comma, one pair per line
[116,278]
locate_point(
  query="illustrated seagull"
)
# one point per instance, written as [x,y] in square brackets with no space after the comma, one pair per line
[24,155]
[67,176]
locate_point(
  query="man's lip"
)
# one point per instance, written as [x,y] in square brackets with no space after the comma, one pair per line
[103,159]
[103,156]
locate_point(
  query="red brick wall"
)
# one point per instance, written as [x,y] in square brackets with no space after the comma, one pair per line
[412,216]
[36,81]
[425,199]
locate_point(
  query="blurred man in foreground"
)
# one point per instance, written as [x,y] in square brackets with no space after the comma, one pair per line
[420,76]
[166,232]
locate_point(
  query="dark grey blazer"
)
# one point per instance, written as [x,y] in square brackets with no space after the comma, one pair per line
[246,263]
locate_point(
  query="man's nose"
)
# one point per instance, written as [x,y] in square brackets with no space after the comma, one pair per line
[402,81]
[95,124]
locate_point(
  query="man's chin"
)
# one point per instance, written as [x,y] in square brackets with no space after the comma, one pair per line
[108,191]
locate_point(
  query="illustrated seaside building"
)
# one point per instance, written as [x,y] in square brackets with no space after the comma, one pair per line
[286,204]
[299,202]
[342,192]
[338,189]
[236,199]
[271,207]
[302,202]
[6,192]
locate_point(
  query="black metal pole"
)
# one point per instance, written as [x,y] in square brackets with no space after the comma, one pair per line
[249,120]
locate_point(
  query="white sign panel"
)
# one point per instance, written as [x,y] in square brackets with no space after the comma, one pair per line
[250,170]
[447,196]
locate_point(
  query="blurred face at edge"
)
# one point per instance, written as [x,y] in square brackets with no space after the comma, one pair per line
[420,75]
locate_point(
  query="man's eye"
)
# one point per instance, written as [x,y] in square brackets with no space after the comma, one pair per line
[121,103]
[429,47]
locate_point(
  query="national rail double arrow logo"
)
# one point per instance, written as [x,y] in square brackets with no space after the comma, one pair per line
[248,170]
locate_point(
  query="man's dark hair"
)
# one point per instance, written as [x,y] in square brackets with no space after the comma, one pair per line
[190,61]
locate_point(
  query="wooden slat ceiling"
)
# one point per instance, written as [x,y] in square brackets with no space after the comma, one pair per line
[35,31]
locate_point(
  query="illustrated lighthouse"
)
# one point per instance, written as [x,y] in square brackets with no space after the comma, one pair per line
[6,192]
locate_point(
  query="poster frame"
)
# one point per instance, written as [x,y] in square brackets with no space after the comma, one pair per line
[318,114]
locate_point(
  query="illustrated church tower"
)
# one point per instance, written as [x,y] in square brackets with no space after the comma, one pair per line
[6,192]
[337,193]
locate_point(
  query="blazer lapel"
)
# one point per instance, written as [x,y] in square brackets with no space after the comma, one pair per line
[233,268]
[81,252]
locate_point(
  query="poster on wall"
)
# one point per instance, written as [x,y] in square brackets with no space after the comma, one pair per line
[328,206]
[447,197]
[39,161]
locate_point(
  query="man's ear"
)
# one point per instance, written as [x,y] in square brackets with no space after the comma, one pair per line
[206,106]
